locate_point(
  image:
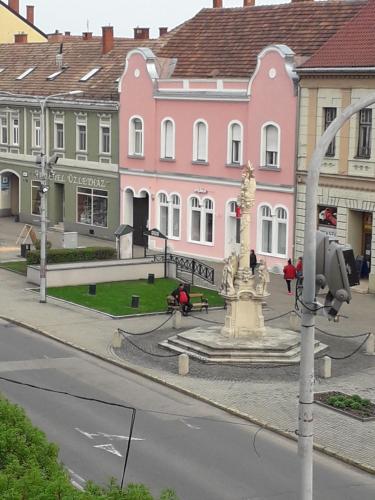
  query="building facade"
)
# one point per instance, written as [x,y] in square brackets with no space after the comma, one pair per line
[195,112]
[81,131]
[341,73]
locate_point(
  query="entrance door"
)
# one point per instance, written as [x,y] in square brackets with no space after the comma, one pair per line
[60,199]
[367,237]
[140,221]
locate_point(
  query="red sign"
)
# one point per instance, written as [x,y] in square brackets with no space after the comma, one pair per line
[238,212]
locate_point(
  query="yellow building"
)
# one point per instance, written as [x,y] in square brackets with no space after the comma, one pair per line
[13,23]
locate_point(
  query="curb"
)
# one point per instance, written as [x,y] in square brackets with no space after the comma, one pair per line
[232,411]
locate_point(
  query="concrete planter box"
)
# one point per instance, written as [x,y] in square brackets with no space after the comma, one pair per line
[84,273]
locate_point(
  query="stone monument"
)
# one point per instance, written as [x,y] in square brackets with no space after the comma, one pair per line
[244,338]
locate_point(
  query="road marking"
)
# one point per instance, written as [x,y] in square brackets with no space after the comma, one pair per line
[110,448]
[111,437]
[76,480]
[189,425]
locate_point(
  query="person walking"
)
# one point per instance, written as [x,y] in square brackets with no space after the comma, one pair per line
[253,261]
[289,275]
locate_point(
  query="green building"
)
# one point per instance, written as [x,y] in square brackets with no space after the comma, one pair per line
[81,133]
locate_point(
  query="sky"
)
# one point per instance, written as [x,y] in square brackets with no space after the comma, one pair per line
[123,15]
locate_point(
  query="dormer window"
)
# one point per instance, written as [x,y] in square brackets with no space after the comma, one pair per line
[25,73]
[89,75]
[55,75]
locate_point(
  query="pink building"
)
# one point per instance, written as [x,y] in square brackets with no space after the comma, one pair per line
[218,93]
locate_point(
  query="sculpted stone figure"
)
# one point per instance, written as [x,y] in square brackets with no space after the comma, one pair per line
[227,287]
[262,278]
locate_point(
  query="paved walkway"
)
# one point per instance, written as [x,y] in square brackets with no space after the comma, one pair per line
[265,395]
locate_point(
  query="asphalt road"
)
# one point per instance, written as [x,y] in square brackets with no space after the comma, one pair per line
[201,452]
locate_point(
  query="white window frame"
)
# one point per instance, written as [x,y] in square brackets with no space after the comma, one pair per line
[230,143]
[203,210]
[195,141]
[15,129]
[36,144]
[274,229]
[4,127]
[263,146]
[171,206]
[58,120]
[132,141]
[163,139]
[105,122]
[81,121]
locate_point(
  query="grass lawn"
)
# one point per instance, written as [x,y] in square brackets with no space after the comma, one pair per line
[115,298]
[19,266]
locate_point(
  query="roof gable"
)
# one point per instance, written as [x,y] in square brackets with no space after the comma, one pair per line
[23,20]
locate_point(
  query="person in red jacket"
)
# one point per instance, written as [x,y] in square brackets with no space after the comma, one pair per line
[289,275]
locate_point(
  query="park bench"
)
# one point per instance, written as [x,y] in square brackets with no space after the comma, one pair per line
[197,300]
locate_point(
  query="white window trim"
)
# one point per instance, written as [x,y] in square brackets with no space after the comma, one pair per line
[58,119]
[195,139]
[170,214]
[228,214]
[34,184]
[131,144]
[203,221]
[80,120]
[229,143]
[163,137]
[263,146]
[15,116]
[5,115]
[274,230]
[33,131]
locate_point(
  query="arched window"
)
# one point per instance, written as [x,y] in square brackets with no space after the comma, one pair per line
[163,213]
[176,211]
[202,220]
[167,149]
[281,221]
[234,156]
[271,144]
[169,215]
[136,138]
[266,225]
[200,141]
[274,230]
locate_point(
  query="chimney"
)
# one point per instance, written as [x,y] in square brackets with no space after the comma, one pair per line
[56,37]
[141,33]
[107,39]
[30,13]
[87,35]
[67,33]
[163,31]
[14,5]
[20,38]
[60,56]
[217,4]
[248,3]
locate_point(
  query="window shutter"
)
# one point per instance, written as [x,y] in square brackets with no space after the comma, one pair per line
[272,138]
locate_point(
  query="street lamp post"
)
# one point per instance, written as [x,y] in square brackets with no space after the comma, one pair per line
[306,386]
[44,174]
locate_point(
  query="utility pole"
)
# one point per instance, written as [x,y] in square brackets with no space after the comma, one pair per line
[306,386]
[43,205]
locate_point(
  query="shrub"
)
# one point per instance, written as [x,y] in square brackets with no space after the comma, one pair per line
[29,467]
[65,255]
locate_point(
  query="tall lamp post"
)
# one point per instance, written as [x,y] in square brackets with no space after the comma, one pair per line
[43,181]
[306,386]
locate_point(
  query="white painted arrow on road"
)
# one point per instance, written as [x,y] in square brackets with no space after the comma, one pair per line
[110,448]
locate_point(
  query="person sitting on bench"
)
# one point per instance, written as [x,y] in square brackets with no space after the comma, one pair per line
[182,297]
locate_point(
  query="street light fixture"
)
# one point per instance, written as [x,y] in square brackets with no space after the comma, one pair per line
[44,181]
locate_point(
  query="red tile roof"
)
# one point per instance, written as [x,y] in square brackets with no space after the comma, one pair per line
[79,57]
[226,42]
[352,46]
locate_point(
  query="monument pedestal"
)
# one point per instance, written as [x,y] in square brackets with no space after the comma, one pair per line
[212,344]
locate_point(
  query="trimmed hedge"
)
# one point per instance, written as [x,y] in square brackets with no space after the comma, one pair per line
[64,255]
[30,469]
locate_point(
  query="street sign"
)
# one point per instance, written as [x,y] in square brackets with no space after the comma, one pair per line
[155,233]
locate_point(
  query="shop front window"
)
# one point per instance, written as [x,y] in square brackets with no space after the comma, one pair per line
[35,197]
[92,207]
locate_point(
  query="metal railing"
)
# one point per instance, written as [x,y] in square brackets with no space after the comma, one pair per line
[188,265]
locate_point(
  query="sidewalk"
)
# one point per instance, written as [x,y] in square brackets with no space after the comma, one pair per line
[264,395]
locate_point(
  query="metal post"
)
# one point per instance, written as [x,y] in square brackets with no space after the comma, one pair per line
[306,386]
[192,271]
[43,206]
[165,258]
